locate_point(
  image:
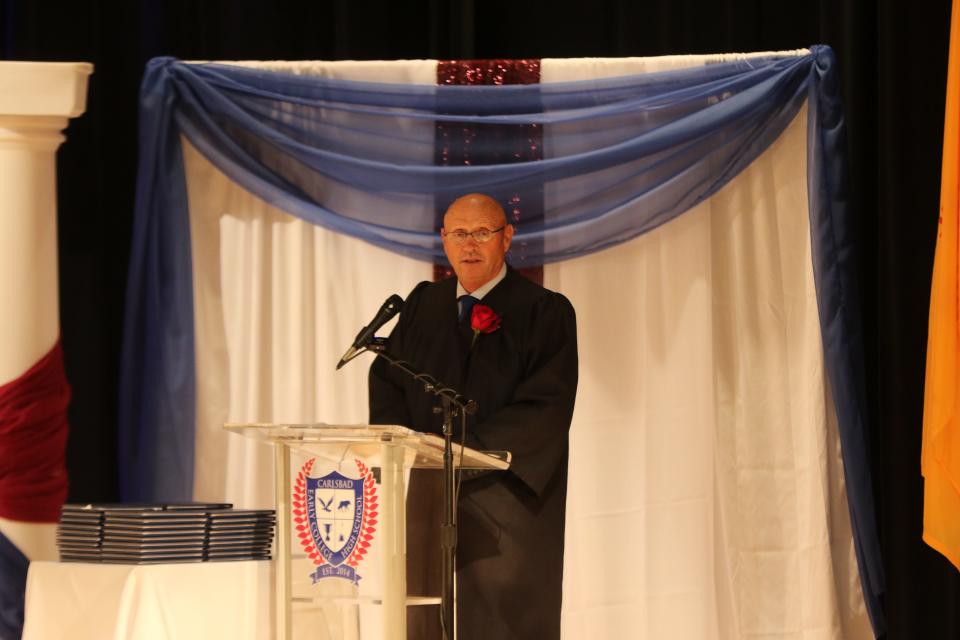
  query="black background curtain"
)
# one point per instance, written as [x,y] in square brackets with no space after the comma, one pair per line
[893,60]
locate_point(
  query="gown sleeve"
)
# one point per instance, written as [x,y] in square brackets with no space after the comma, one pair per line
[387,402]
[534,425]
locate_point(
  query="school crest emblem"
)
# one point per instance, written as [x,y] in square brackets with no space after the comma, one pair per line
[335,517]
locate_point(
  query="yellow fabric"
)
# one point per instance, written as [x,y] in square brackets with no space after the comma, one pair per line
[940,459]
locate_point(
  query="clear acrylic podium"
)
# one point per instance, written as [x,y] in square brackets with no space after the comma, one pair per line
[349,450]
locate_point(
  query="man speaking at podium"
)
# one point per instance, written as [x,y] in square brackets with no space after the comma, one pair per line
[518,360]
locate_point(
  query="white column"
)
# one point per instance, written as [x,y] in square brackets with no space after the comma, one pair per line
[36,101]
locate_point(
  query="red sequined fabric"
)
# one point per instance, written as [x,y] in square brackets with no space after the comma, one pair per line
[493,144]
[488,71]
[33,442]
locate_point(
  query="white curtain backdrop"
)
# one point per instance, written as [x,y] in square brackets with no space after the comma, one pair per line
[706,495]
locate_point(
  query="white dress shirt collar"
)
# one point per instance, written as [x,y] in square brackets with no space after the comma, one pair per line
[479,292]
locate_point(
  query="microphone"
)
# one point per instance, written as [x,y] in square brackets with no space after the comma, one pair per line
[390,308]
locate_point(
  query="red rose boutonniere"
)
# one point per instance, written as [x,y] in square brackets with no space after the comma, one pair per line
[483,319]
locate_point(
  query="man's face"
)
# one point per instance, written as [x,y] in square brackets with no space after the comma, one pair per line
[474,263]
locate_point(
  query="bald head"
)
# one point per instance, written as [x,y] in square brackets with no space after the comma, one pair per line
[474,204]
[476,263]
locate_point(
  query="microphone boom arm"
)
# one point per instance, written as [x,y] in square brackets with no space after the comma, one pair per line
[431,384]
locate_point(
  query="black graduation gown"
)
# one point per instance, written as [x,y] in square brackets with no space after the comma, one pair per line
[524,378]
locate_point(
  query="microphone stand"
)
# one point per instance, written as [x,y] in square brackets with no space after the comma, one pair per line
[452,404]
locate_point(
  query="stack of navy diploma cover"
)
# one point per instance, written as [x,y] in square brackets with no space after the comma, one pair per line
[158,533]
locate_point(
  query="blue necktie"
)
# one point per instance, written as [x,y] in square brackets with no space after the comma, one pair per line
[466,306]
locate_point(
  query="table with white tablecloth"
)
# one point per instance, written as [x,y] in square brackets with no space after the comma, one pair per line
[189,600]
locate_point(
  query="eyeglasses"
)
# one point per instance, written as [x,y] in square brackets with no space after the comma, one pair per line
[480,235]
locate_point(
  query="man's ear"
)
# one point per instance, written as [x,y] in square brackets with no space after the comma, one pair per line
[507,237]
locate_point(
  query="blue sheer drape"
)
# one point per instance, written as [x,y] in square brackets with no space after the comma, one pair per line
[13,584]
[651,145]
[621,156]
